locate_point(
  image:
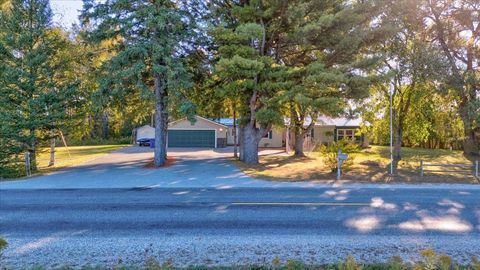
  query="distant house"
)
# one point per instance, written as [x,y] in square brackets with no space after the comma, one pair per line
[219,132]
[326,130]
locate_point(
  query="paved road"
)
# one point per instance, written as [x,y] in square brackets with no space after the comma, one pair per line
[236,225]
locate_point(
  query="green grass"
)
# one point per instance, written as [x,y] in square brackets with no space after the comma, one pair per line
[73,155]
[411,157]
[369,165]
[76,155]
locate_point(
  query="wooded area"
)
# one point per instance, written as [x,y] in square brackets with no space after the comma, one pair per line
[134,62]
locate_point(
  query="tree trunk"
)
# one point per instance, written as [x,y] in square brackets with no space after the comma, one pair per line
[250,144]
[299,140]
[33,151]
[300,133]
[397,147]
[161,121]
[287,140]
[240,143]
[52,149]
[235,154]
[470,143]
[104,125]
[91,125]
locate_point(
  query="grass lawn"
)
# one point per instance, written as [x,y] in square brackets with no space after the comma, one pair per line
[78,155]
[369,165]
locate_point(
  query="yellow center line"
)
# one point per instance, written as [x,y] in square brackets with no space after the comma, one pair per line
[302,203]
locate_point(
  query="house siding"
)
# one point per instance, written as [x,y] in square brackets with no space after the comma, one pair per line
[277,139]
[321,134]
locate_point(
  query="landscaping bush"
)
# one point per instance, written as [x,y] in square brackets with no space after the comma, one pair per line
[330,153]
[349,264]
[10,172]
[13,169]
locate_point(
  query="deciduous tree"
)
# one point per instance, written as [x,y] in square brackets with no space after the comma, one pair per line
[455,29]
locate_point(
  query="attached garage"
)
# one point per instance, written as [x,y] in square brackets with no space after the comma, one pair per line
[200,133]
[191,138]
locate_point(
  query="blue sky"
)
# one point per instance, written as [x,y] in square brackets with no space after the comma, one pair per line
[66,11]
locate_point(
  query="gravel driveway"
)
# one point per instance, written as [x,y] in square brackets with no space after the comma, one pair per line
[126,168]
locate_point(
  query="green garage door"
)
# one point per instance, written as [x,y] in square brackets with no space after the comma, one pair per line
[191,138]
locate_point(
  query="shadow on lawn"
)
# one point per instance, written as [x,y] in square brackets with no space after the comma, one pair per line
[295,169]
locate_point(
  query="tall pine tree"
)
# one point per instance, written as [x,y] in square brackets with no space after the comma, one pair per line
[296,58]
[325,47]
[246,35]
[152,40]
[35,87]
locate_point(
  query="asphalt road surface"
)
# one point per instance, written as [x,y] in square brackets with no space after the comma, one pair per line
[236,226]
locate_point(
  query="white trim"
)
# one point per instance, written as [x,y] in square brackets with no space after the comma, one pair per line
[192,128]
[202,118]
[213,122]
[215,130]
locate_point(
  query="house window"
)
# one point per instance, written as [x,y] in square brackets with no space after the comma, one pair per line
[312,133]
[345,133]
[268,135]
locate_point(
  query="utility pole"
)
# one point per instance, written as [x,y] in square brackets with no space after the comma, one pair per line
[391,128]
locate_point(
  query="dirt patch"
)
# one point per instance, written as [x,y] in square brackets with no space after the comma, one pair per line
[151,164]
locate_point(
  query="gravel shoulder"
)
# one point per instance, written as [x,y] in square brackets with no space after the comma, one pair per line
[215,227]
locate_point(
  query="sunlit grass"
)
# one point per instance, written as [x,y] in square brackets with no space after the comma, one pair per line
[78,155]
[368,165]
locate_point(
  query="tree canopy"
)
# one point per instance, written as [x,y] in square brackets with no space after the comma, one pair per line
[267,63]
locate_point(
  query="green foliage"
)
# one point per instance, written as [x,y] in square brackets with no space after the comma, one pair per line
[462,78]
[433,261]
[432,122]
[276,263]
[38,86]
[98,141]
[325,70]
[3,246]
[395,263]
[349,264]
[151,41]
[330,153]
[475,263]
[294,265]
[156,43]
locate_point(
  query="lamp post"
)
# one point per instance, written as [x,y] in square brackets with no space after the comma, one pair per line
[391,128]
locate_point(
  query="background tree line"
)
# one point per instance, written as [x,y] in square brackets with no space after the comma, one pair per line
[138,62]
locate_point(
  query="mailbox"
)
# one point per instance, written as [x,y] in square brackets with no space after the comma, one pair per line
[343,157]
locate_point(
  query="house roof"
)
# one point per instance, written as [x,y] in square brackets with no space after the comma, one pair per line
[225,121]
[321,121]
[201,118]
[337,121]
